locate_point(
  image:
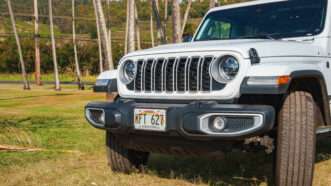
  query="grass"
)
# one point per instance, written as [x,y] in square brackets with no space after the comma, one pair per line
[45,77]
[73,152]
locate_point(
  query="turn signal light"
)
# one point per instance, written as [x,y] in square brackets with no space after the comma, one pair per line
[283,80]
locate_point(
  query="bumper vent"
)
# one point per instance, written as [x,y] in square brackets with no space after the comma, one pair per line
[175,74]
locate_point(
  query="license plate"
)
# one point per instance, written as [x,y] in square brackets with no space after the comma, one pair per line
[150,119]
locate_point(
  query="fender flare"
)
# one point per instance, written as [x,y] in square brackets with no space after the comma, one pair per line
[325,98]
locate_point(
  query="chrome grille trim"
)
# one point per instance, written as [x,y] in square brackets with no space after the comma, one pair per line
[163,74]
[142,84]
[175,75]
[185,73]
[153,75]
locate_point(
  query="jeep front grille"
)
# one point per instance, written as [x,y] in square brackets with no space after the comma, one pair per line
[174,74]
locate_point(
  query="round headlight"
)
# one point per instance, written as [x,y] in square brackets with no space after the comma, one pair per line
[225,69]
[129,72]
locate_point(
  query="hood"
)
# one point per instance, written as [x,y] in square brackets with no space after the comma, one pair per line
[265,48]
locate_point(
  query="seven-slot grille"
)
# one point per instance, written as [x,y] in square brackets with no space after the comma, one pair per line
[174,74]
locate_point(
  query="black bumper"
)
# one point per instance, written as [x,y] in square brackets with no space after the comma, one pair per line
[182,119]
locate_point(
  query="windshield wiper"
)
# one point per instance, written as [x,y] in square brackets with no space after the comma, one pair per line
[262,36]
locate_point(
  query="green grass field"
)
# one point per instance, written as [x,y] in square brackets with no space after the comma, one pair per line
[70,152]
[45,77]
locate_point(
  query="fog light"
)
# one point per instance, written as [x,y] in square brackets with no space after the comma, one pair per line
[219,123]
[96,117]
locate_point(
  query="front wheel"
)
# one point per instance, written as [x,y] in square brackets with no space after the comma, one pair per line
[296,140]
[121,159]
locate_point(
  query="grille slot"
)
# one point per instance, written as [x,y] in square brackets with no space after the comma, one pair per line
[175,74]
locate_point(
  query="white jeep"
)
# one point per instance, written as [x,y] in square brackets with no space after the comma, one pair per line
[255,72]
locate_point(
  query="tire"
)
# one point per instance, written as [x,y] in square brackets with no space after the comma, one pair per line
[121,159]
[296,140]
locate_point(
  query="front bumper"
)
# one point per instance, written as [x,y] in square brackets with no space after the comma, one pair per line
[184,119]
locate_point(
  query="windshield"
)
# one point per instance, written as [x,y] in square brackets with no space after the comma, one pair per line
[273,20]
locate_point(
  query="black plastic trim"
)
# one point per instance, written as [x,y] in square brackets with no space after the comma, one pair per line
[277,90]
[325,97]
[177,117]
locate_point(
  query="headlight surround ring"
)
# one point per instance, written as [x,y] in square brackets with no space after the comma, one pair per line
[128,71]
[225,69]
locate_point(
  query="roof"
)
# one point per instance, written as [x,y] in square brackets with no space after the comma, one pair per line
[250,3]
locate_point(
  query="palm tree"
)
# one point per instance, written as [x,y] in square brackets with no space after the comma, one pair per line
[104,34]
[78,74]
[126,28]
[109,33]
[131,28]
[176,22]
[26,85]
[212,3]
[165,19]
[187,12]
[99,38]
[152,29]
[160,28]
[165,11]
[37,43]
[137,27]
[56,71]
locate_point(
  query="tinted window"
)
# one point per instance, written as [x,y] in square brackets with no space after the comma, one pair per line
[282,19]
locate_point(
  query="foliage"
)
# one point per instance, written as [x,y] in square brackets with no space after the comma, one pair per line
[87,54]
[87,50]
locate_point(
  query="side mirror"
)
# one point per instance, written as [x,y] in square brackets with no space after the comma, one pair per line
[187,38]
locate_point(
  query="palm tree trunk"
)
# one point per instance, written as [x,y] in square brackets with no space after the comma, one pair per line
[78,74]
[26,85]
[104,34]
[126,28]
[37,43]
[55,64]
[152,30]
[212,4]
[99,37]
[131,30]
[176,22]
[160,29]
[165,11]
[109,35]
[137,27]
[187,12]
[165,20]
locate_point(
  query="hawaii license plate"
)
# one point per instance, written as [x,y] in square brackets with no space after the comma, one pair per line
[150,119]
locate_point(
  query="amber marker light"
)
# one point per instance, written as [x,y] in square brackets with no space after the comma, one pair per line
[283,80]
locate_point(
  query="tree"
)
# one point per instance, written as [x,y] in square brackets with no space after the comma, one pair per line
[176,22]
[104,34]
[131,28]
[212,3]
[109,34]
[137,27]
[160,29]
[126,28]
[55,64]
[165,11]
[37,43]
[78,74]
[187,12]
[152,29]
[26,85]
[165,19]
[99,37]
